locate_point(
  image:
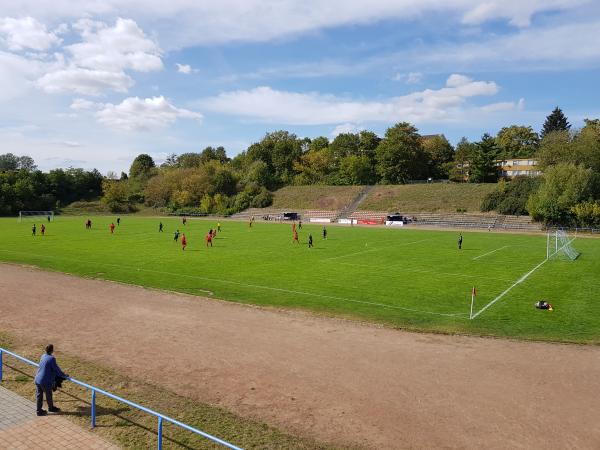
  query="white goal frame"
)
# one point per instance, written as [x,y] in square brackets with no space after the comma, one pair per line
[40,215]
[558,245]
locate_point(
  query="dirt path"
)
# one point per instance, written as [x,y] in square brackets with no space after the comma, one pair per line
[335,380]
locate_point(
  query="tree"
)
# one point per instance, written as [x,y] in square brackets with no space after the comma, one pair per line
[439,152]
[116,195]
[586,145]
[8,161]
[587,214]
[555,121]
[318,143]
[463,160]
[555,147]
[141,167]
[344,144]
[279,150]
[367,144]
[356,170]
[510,197]
[189,160]
[314,167]
[171,161]
[224,181]
[517,142]
[400,156]
[564,186]
[482,168]
[26,163]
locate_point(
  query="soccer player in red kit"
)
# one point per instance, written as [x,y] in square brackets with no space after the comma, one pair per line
[112,228]
[296,237]
[43,229]
[183,242]
[208,238]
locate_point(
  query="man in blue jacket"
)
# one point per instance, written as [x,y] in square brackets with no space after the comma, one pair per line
[45,377]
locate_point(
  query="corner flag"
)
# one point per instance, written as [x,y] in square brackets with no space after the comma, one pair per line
[473,295]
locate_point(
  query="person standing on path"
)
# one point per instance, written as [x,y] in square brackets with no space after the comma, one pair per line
[45,377]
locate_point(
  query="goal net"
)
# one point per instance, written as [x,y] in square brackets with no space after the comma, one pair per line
[36,216]
[558,246]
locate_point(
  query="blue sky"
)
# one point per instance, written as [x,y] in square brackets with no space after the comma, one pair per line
[94,83]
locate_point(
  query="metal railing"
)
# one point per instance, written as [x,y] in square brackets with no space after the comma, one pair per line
[94,389]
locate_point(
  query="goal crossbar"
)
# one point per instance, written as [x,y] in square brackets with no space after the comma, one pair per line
[44,215]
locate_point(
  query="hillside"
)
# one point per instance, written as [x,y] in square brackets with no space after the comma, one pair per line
[331,198]
[447,197]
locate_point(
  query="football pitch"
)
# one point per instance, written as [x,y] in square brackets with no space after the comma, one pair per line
[407,278]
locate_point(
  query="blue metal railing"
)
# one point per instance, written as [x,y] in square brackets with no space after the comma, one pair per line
[94,389]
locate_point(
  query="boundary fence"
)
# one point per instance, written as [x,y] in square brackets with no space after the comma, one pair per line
[161,417]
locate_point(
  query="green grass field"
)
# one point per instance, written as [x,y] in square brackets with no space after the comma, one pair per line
[405,278]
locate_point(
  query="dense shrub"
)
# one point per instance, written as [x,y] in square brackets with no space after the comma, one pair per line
[511,197]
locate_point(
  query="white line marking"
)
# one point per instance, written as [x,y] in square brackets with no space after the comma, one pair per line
[489,253]
[398,268]
[373,250]
[243,284]
[520,280]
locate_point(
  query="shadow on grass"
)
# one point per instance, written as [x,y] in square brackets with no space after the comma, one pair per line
[86,410]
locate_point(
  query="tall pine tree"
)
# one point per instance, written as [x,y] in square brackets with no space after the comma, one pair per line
[556,121]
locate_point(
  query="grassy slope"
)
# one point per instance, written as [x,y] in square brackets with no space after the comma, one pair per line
[130,428]
[404,278]
[427,197]
[329,198]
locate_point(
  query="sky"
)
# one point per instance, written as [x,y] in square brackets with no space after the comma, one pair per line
[93,83]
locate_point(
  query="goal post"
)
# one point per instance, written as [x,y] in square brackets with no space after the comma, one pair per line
[46,216]
[558,246]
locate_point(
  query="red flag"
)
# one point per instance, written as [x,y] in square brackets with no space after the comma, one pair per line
[474,292]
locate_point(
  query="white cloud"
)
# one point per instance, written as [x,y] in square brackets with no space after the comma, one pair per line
[518,12]
[16,75]
[80,104]
[269,105]
[120,47]
[345,128]
[26,33]
[98,63]
[504,106]
[84,81]
[135,113]
[409,78]
[70,144]
[178,21]
[184,68]
[549,47]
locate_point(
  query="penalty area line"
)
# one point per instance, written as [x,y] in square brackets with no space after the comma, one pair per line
[507,290]
[489,253]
